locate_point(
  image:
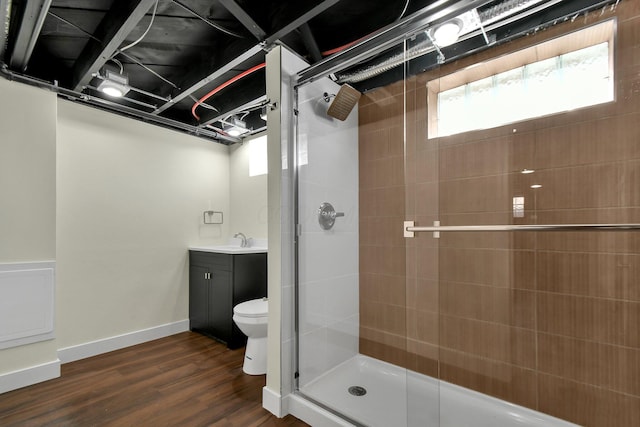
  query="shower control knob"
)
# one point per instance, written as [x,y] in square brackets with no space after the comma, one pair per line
[327,216]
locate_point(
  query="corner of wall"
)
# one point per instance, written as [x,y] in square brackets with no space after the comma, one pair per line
[27,223]
[282,65]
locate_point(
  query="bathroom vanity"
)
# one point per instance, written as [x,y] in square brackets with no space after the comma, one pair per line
[220,277]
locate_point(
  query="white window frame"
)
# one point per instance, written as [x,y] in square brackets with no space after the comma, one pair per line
[577,40]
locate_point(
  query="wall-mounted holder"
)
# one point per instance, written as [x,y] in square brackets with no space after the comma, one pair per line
[212,217]
[327,216]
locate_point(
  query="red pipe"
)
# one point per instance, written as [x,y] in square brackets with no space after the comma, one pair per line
[341,48]
[223,85]
[256,68]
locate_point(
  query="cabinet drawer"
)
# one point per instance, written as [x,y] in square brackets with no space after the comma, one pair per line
[210,259]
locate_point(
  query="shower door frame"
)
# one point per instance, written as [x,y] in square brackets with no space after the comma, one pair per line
[378,42]
[297,231]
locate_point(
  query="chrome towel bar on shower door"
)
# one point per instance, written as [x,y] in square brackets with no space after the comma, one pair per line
[410,228]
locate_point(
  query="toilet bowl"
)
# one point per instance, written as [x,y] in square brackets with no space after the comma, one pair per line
[251,318]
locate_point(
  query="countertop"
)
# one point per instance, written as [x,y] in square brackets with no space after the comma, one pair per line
[229,249]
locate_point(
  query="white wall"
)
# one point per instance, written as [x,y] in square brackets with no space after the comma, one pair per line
[27,199]
[281,66]
[116,202]
[27,173]
[130,202]
[328,259]
[248,195]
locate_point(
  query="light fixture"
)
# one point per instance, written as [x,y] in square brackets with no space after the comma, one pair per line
[114,84]
[447,34]
[534,186]
[527,171]
[234,126]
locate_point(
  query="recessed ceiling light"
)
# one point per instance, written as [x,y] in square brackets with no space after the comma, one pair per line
[536,186]
[114,84]
[234,126]
[526,171]
[447,34]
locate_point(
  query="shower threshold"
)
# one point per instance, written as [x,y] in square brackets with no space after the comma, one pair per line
[399,397]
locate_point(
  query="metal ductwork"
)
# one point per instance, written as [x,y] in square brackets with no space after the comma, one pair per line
[475,22]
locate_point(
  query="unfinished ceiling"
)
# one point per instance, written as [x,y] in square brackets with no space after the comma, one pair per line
[177,52]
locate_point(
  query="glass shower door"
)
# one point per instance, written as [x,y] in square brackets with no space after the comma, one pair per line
[483,317]
[352,296]
[532,273]
[328,252]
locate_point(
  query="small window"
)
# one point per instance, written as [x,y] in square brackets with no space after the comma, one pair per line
[258,156]
[566,73]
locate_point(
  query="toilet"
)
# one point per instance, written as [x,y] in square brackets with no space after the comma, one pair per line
[251,318]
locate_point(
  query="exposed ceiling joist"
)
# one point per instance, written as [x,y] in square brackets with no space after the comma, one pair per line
[389,36]
[228,66]
[31,23]
[205,20]
[181,59]
[113,30]
[260,100]
[302,19]
[244,19]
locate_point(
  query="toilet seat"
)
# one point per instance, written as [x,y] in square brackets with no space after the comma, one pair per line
[253,308]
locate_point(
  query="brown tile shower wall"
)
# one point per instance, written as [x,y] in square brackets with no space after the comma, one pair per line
[548,320]
[382,250]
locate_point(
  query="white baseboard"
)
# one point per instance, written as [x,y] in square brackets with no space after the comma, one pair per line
[300,408]
[94,348]
[313,414]
[273,402]
[29,376]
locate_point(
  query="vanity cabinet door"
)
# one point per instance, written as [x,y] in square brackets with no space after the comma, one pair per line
[219,305]
[198,294]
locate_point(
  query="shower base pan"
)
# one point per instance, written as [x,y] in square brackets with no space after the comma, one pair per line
[379,394]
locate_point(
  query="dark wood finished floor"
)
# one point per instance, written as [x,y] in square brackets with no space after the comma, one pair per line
[182,380]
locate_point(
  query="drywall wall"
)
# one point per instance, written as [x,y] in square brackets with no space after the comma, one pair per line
[27,173]
[248,194]
[28,194]
[282,64]
[130,202]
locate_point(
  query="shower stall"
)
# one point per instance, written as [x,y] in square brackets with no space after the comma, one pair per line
[489,277]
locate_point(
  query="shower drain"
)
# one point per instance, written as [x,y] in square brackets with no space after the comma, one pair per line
[356,390]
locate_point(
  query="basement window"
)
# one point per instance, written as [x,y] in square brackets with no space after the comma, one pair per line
[572,71]
[258,156]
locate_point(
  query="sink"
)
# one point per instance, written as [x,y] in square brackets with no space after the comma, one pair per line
[230,249]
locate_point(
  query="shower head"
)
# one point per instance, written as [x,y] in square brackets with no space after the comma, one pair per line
[346,98]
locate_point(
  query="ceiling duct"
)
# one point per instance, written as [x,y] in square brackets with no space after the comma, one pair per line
[473,23]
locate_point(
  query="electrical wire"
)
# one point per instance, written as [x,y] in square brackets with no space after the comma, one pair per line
[153,15]
[348,45]
[126,55]
[118,63]
[257,67]
[204,104]
[224,85]
[208,22]
[406,5]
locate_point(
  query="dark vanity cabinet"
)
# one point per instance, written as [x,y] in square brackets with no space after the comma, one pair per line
[217,283]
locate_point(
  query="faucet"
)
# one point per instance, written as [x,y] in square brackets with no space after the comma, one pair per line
[243,244]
